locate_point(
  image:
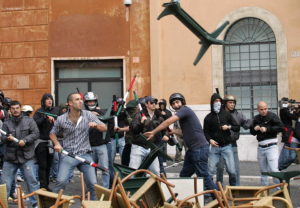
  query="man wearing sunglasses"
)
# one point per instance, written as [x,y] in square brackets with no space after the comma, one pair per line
[147,120]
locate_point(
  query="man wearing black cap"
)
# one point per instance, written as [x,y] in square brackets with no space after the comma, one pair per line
[145,121]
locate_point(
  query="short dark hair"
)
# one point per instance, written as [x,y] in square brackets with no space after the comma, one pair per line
[70,96]
[14,102]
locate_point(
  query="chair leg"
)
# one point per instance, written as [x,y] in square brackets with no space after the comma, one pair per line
[223,194]
[60,193]
[20,198]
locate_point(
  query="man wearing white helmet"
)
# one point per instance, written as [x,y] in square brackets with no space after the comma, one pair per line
[96,137]
[27,110]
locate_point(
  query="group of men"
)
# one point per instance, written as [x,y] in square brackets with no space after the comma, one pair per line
[94,137]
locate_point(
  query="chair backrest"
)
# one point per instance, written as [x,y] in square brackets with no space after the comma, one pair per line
[283,193]
[116,202]
[150,192]
[3,195]
[47,199]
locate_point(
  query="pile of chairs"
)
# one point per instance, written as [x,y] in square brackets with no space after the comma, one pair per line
[149,194]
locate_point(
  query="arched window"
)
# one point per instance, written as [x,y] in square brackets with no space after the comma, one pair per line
[250,69]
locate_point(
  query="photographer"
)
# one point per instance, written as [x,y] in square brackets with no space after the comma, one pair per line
[287,115]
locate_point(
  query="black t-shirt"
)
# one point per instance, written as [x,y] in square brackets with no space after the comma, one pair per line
[192,131]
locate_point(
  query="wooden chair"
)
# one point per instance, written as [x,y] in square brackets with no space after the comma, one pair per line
[101,193]
[3,196]
[186,204]
[150,194]
[47,199]
[262,197]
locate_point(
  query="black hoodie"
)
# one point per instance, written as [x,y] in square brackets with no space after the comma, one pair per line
[213,122]
[41,120]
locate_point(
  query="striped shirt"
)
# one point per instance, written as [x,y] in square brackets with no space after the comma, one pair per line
[75,136]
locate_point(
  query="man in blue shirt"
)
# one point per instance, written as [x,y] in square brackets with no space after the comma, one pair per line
[196,157]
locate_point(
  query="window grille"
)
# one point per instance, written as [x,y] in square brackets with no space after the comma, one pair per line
[250,65]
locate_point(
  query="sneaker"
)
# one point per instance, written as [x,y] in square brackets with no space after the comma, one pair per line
[20,179]
[13,196]
[164,164]
[53,180]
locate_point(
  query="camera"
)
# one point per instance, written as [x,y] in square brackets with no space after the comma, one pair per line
[291,104]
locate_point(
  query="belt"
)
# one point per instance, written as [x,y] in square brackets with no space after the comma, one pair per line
[267,145]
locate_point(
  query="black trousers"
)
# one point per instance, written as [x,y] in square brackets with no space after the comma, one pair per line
[44,160]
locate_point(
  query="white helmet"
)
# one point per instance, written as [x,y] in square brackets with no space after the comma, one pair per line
[90,96]
[26,108]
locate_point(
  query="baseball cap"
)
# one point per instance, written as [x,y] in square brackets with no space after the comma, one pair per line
[150,99]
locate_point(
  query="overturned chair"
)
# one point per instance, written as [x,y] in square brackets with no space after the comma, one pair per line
[47,199]
[254,196]
[148,195]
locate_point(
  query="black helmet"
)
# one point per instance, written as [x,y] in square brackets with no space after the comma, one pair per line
[177,96]
[90,96]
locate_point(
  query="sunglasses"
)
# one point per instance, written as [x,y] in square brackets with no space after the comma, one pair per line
[153,103]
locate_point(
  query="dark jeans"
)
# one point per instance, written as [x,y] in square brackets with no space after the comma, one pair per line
[287,157]
[44,160]
[195,161]
[126,155]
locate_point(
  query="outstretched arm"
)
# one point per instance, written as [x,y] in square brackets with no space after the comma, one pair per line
[162,126]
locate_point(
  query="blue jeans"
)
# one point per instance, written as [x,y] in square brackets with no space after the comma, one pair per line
[100,156]
[268,162]
[226,152]
[138,154]
[66,167]
[195,161]
[54,166]
[287,157]
[9,173]
[114,146]
[221,164]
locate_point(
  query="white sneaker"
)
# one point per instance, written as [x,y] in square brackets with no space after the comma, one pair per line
[164,164]
[20,179]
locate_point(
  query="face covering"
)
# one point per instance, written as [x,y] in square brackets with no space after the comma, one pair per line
[217,107]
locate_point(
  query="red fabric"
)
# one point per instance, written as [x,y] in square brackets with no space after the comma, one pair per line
[291,137]
[1,114]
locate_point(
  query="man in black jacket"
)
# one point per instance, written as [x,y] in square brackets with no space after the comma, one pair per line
[287,116]
[20,153]
[266,126]
[217,126]
[45,123]
[97,140]
[143,122]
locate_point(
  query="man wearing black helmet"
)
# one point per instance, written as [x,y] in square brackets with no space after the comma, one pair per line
[196,157]
[97,140]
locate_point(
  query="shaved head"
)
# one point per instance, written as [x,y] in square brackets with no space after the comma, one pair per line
[262,108]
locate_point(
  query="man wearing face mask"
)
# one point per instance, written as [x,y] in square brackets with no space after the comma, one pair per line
[217,126]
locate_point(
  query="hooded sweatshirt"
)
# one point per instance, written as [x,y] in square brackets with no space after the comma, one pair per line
[41,120]
[213,122]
